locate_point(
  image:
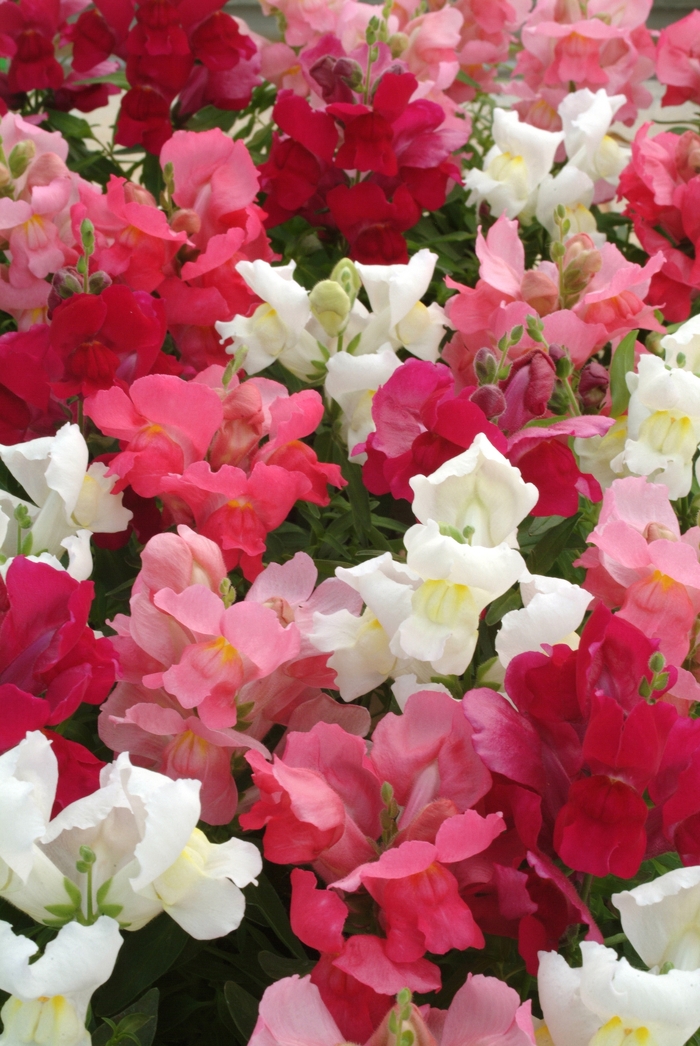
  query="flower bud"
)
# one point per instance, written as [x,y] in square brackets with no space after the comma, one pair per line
[540,291]
[581,250]
[556,351]
[5,176]
[350,72]
[331,306]
[688,155]
[490,399]
[187,221]
[137,194]
[397,44]
[99,281]
[485,366]
[21,156]
[593,384]
[45,169]
[345,273]
[659,532]
[65,283]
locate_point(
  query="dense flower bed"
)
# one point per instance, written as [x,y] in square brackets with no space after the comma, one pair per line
[349,525]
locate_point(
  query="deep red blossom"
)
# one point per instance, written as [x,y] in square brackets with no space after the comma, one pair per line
[144,119]
[50,660]
[420,424]
[100,339]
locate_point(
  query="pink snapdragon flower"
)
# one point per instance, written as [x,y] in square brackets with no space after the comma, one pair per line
[642,564]
[606,44]
[133,240]
[293,1013]
[165,424]
[234,510]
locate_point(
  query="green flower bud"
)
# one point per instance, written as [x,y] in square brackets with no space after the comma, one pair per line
[21,156]
[348,277]
[331,306]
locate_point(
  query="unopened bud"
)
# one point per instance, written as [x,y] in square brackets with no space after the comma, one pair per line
[688,155]
[21,156]
[66,282]
[657,661]
[98,282]
[582,256]
[45,169]
[485,366]
[87,235]
[490,399]
[540,291]
[350,72]
[137,194]
[593,384]
[331,306]
[556,351]
[187,221]
[658,532]
[345,273]
[398,43]
[564,367]
[5,176]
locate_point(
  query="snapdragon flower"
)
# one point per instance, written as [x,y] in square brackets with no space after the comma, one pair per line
[663,425]
[662,918]
[49,995]
[607,1002]
[479,492]
[70,501]
[119,851]
[514,168]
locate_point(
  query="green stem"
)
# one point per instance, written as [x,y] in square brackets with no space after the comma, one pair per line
[571,397]
[585,891]
[91,915]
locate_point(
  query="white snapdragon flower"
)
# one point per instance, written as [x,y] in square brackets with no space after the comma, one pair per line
[514,168]
[663,426]
[457,581]
[70,500]
[572,189]
[595,454]
[130,850]
[352,382]
[277,328]
[398,315]
[49,997]
[682,349]
[479,491]
[662,918]
[553,610]
[360,647]
[586,119]
[607,1002]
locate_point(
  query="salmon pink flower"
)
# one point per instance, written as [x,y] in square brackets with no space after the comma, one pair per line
[234,510]
[166,424]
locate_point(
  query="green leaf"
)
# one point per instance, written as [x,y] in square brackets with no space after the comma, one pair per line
[102,892]
[118,79]
[509,601]
[139,1020]
[210,117]
[264,897]
[242,1007]
[622,364]
[62,911]
[544,554]
[69,125]
[73,892]
[144,957]
[277,966]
